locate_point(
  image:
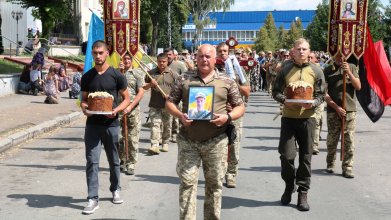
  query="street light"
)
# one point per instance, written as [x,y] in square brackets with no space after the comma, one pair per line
[17,16]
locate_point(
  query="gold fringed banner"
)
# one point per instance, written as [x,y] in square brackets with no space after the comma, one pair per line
[121,19]
[347,21]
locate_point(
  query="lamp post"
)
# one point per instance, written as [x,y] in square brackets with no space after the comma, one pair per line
[17,16]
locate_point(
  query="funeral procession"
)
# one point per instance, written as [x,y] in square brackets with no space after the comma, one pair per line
[188,109]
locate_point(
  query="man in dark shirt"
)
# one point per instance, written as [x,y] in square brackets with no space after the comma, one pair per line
[102,128]
[165,78]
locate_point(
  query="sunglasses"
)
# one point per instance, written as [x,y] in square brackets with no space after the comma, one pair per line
[286,55]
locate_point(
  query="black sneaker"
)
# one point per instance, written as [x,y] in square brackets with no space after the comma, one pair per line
[35,92]
[286,198]
[91,207]
[70,95]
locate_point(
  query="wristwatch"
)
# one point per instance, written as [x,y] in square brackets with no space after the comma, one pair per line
[229,119]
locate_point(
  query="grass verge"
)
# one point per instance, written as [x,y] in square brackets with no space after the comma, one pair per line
[8,67]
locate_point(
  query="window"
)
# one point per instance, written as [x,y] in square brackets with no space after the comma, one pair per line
[184,36]
[220,36]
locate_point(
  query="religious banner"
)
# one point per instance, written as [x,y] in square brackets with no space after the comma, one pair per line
[122,25]
[347,32]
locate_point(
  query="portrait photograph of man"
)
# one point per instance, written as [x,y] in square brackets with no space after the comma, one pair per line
[348,10]
[201,103]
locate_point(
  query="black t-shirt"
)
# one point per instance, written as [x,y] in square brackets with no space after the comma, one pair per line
[111,82]
[25,77]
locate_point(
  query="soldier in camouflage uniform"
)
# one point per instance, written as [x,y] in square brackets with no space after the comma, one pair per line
[270,72]
[165,78]
[233,160]
[188,62]
[201,140]
[319,122]
[135,81]
[334,79]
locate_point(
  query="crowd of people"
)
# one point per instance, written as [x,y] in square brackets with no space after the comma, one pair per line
[32,81]
[206,141]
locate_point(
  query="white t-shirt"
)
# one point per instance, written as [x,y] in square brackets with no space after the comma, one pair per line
[34,75]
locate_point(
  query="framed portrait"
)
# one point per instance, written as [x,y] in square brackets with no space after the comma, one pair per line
[348,10]
[120,9]
[201,100]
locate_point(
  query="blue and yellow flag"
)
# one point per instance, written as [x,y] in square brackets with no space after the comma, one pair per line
[96,32]
[208,91]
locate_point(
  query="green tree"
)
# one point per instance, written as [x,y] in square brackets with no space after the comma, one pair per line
[292,35]
[145,28]
[271,29]
[48,11]
[155,8]
[263,41]
[176,37]
[1,38]
[281,37]
[316,31]
[299,28]
[200,12]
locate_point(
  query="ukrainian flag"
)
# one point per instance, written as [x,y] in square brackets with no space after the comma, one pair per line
[208,91]
[96,32]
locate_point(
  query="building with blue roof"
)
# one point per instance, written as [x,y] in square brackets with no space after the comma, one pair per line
[243,25]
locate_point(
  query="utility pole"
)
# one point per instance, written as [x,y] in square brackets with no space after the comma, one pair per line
[169,23]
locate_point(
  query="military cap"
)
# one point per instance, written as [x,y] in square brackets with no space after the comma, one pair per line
[269,51]
[185,51]
[238,51]
[281,50]
[200,95]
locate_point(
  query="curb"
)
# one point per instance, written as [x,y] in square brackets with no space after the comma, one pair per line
[42,128]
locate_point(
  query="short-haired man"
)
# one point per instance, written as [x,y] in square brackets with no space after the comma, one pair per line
[291,58]
[254,51]
[102,129]
[188,62]
[176,55]
[262,72]
[318,110]
[270,72]
[204,141]
[135,82]
[298,124]
[200,112]
[163,77]
[244,88]
[334,79]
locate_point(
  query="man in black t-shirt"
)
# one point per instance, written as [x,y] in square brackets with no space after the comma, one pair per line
[102,129]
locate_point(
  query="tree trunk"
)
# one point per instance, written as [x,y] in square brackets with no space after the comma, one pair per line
[155,31]
[47,24]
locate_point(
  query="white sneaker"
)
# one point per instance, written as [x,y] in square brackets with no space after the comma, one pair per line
[117,198]
[91,207]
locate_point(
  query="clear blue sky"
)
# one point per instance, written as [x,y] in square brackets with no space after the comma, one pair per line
[270,5]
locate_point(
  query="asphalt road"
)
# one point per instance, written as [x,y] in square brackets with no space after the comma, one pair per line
[45,178]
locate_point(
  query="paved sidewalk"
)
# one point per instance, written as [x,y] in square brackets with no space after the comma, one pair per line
[19,111]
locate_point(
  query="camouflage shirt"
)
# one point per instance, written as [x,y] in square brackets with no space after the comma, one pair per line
[225,91]
[269,69]
[189,61]
[134,80]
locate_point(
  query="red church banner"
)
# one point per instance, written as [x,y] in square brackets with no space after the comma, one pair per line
[347,32]
[122,25]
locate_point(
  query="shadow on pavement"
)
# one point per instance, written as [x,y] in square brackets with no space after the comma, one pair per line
[229,202]
[264,138]
[66,139]
[59,167]
[261,148]
[262,169]
[163,179]
[46,149]
[48,201]
[39,102]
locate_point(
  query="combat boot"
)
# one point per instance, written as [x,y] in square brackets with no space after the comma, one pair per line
[174,140]
[302,203]
[165,148]
[330,169]
[130,169]
[231,183]
[122,165]
[348,174]
[315,150]
[286,198]
[154,150]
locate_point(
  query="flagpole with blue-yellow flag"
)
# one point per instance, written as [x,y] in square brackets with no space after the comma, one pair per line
[95,33]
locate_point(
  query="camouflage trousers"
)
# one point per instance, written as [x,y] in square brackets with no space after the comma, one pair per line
[233,158]
[213,154]
[175,122]
[270,78]
[334,124]
[134,127]
[160,117]
[319,121]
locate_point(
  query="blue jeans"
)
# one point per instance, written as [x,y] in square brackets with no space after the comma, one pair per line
[24,86]
[95,136]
